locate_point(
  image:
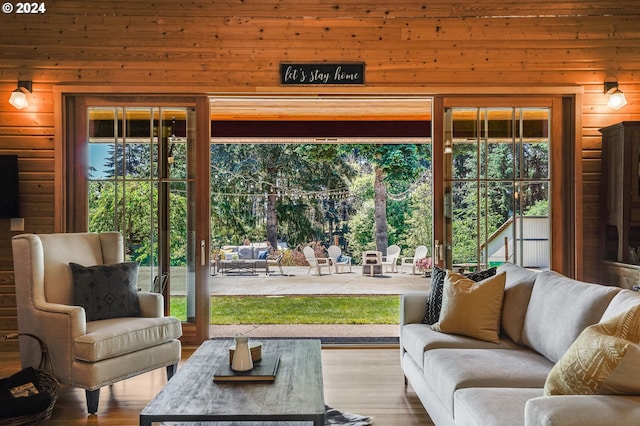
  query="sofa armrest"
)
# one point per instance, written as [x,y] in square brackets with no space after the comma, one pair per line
[151,304]
[413,306]
[583,410]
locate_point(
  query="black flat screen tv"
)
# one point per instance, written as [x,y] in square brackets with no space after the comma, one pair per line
[9,191]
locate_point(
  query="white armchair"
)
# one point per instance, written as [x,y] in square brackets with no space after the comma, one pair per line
[390,260]
[339,260]
[410,262]
[86,354]
[316,262]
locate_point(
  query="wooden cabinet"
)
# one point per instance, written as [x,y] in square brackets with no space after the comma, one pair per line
[620,197]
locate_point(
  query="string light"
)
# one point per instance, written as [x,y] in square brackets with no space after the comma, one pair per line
[297,193]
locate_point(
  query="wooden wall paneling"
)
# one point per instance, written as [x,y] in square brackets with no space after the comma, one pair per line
[195,47]
[8,314]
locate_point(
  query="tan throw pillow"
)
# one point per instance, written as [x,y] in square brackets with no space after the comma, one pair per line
[471,308]
[604,359]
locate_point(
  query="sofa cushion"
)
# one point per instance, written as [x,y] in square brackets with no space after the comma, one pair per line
[245,252]
[605,359]
[583,410]
[559,309]
[492,406]
[417,338]
[517,292]
[106,291]
[118,336]
[622,302]
[471,309]
[451,369]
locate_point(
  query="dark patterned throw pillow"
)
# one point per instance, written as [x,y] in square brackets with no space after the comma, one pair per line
[106,291]
[434,298]
[481,275]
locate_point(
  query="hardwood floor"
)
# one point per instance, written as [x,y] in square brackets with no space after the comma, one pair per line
[365,381]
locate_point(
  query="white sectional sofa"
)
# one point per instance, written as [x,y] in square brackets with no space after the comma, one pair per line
[466,381]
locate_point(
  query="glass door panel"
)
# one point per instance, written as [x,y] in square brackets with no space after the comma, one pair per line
[139,184]
[497,188]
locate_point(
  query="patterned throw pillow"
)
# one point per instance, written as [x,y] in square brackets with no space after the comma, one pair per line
[106,291]
[434,299]
[604,359]
[481,275]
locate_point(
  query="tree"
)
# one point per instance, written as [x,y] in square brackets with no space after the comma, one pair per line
[393,165]
[301,177]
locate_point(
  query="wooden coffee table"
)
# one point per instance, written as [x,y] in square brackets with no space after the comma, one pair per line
[296,395]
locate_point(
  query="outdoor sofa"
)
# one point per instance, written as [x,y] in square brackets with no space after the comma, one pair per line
[258,254]
[550,348]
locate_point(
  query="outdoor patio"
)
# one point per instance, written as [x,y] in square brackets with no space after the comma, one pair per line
[297,281]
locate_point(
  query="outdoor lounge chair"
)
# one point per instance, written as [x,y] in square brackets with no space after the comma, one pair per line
[275,261]
[421,251]
[390,261]
[316,262]
[338,259]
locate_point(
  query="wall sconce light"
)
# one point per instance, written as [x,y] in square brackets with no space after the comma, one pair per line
[19,96]
[616,97]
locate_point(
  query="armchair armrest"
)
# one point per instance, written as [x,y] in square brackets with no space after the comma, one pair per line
[413,306]
[57,316]
[151,304]
[582,410]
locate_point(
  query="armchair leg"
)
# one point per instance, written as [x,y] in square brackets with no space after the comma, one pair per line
[171,370]
[92,400]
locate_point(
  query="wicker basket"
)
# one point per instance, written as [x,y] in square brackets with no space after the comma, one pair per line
[46,381]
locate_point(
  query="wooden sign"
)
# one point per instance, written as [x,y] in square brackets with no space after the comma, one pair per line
[321,74]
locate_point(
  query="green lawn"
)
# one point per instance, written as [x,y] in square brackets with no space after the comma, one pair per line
[298,309]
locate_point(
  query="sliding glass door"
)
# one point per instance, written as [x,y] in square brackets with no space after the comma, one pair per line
[141,183]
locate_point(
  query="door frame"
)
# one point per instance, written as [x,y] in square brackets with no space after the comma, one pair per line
[569,100]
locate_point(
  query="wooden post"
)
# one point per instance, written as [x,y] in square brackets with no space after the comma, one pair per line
[506,249]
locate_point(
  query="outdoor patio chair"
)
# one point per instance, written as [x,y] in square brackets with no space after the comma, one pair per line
[316,262]
[390,261]
[275,261]
[421,251]
[340,261]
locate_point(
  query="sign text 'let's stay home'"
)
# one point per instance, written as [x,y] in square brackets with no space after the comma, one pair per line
[321,74]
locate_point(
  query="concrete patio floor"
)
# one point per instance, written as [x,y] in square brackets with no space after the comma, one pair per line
[297,281]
